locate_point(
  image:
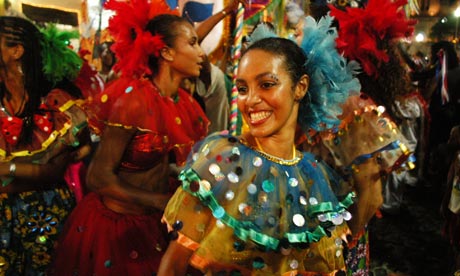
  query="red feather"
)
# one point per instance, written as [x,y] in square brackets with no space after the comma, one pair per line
[133,44]
[361,31]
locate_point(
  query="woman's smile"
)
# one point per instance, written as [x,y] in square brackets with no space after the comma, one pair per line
[259,117]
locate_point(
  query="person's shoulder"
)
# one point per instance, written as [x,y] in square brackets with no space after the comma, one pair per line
[222,137]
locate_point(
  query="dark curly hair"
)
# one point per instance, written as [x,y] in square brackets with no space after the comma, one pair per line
[393,80]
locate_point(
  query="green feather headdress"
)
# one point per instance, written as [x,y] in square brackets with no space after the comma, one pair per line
[59,61]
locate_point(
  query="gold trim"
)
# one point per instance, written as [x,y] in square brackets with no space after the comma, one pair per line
[46,143]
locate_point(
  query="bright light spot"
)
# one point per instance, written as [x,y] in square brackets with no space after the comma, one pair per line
[444,20]
[457,12]
[95,11]
[420,37]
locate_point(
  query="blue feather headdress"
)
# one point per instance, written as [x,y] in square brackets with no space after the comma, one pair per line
[332,79]
[260,32]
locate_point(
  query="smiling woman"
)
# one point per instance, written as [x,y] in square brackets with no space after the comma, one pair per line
[253,204]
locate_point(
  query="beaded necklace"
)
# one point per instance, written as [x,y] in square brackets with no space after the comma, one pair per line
[295,159]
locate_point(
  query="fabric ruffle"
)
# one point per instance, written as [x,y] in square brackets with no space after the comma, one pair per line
[365,132]
[63,121]
[99,241]
[130,103]
[239,208]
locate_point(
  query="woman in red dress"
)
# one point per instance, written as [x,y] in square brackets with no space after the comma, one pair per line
[146,122]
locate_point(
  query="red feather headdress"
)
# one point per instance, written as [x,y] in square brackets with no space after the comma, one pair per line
[133,44]
[362,31]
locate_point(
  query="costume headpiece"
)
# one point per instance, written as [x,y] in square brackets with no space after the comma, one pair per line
[261,31]
[59,60]
[133,44]
[332,78]
[362,32]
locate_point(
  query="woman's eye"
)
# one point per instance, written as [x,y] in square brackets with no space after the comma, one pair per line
[267,85]
[242,90]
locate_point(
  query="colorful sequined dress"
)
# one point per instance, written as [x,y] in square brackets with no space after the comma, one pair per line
[366,131]
[243,211]
[31,221]
[100,241]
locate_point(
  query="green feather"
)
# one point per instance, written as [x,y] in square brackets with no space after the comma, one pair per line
[59,61]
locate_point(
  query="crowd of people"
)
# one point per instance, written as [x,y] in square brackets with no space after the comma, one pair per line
[132,169]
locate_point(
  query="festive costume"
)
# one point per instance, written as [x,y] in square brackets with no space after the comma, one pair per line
[31,221]
[99,240]
[363,120]
[242,210]
[245,212]
[379,137]
[164,125]
[366,35]
[409,111]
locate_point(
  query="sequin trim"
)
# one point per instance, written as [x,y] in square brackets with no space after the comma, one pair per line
[243,231]
[52,137]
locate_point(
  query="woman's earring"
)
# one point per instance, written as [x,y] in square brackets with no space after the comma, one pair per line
[20,70]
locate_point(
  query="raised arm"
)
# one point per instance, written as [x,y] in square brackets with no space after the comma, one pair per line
[206,26]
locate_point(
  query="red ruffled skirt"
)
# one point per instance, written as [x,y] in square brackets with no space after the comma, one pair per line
[99,241]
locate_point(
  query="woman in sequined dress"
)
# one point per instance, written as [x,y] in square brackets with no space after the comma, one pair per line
[41,132]
[147,122]
[254,205]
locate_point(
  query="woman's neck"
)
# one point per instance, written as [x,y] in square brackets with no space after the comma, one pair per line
[15,96]
[167,82]
[280,148]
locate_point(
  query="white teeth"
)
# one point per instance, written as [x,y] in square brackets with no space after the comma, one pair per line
[259,115]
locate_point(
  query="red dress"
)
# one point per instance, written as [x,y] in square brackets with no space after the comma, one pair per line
[99,241]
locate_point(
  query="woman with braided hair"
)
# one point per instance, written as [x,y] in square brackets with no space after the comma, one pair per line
[41,132]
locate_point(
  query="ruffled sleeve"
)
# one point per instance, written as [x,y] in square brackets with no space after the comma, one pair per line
[238,198]
[60,120]
[177,121]
[366,131]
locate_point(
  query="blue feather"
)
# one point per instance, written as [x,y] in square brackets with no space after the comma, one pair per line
[332,79]
[260,32]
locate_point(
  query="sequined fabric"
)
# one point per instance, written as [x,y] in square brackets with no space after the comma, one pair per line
[366,131]
[30,224]
[99,241]
[173,123]
[241,211]
[67,121]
